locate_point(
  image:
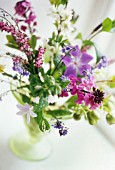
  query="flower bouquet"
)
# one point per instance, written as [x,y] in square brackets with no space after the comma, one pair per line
[56,79]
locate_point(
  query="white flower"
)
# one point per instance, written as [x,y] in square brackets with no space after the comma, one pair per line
[36,100]
[52,99]
[26,109]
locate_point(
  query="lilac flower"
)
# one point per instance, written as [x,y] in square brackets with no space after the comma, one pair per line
[103,62]
[76,62]
[26,109]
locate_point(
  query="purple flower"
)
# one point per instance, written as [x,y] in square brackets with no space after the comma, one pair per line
[21,7]
[19,66]
[63,132]
[58,125]
[76,62]
[62,129]
[103,62]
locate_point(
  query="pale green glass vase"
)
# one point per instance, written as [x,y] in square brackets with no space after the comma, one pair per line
[31,145]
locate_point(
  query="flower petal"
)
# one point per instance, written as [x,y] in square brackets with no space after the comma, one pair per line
[28,118]
[75,51]
[20,113]
[67,60]
[85,58]
[84,68]
[19,106]
[70,71]
[33,114]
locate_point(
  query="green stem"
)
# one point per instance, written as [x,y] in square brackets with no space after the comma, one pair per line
[95,34]
[60,62]
[101,81]
[9,75]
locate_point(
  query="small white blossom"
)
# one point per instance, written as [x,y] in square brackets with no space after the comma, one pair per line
[36,100]
[26,109]
[52,99]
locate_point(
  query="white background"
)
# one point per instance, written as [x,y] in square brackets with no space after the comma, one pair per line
[85,147]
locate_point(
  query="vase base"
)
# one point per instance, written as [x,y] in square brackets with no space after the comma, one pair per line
[28,150]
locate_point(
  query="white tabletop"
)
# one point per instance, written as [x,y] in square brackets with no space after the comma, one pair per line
[84,148]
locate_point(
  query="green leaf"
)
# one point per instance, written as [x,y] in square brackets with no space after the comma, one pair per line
[113,27]
[71,102]
[59,113]
[107,25]
[64,84]
[15,46]
[41,105]
[11,39]
[110,119]
[98,53]
[58,2]
[79,36]
[87,43]
[47,125]
[33,42]
[42,122]
[26,99]
[59,38]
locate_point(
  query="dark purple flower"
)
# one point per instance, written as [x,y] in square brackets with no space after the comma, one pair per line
[76,62]
[23,28]
[103,62]
[62,129]
[21,7]
[58,125]
[63,132]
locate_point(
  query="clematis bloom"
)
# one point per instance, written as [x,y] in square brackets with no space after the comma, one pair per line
[76,62]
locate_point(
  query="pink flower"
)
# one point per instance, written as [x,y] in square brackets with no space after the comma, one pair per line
[89,100]
[21,7]
[39,62]
[31,18]
[63,94]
